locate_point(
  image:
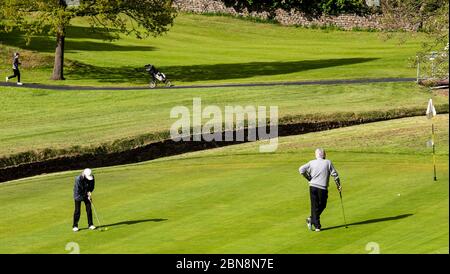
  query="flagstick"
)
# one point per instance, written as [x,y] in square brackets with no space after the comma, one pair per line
[431,112]
[434,156]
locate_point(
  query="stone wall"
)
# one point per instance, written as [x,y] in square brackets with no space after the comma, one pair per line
[213,6]
[347,22]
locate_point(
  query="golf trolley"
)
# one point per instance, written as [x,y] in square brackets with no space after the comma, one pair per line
[157,76]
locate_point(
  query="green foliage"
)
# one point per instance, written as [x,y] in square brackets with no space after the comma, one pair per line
[310,7]
[153,17]
[342,6]
[35,16]
[139,17]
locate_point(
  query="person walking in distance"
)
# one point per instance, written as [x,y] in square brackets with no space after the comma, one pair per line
[82,190]
[318,173]
[15,67]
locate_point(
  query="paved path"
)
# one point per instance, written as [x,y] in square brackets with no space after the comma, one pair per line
[268,84]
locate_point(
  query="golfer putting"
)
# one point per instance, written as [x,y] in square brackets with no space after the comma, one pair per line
[82,191]
[318,173]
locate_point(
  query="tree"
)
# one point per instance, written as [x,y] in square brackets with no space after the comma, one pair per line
[309,7]
[428,16]
[139,17]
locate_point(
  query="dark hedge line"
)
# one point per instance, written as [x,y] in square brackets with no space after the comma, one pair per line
[288,125]
[310,7]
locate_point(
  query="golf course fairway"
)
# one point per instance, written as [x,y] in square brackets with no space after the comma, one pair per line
[237,200]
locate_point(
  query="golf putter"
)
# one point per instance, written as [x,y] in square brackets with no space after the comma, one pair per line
[343,213]
[96,216]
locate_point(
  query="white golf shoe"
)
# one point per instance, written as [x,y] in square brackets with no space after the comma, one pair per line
[75,229]
[317,230]
[7,79]
[19,83]
[92,227]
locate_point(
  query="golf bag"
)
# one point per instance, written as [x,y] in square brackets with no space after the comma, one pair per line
[157,76]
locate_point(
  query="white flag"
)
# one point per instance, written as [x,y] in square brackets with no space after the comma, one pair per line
[431,111]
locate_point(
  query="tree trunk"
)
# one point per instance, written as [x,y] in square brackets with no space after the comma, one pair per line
[58,67]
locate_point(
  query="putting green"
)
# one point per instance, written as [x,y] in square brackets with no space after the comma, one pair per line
[236,200]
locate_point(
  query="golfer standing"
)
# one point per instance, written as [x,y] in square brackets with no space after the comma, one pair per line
[15,67]
[82,190]
[318,172]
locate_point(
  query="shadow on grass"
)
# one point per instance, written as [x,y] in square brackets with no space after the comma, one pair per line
[213,72]
[133,222]
[371,221]
[47,44]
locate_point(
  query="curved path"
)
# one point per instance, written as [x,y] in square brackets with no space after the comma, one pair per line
[266,84]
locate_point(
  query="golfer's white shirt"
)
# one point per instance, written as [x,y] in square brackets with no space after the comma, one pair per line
[319,171]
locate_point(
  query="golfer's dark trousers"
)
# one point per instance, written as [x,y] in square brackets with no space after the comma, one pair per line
[76,214]
[319,199]
[16,73]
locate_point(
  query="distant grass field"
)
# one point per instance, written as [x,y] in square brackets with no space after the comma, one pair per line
[235,200]
[40,119]
[214,49]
